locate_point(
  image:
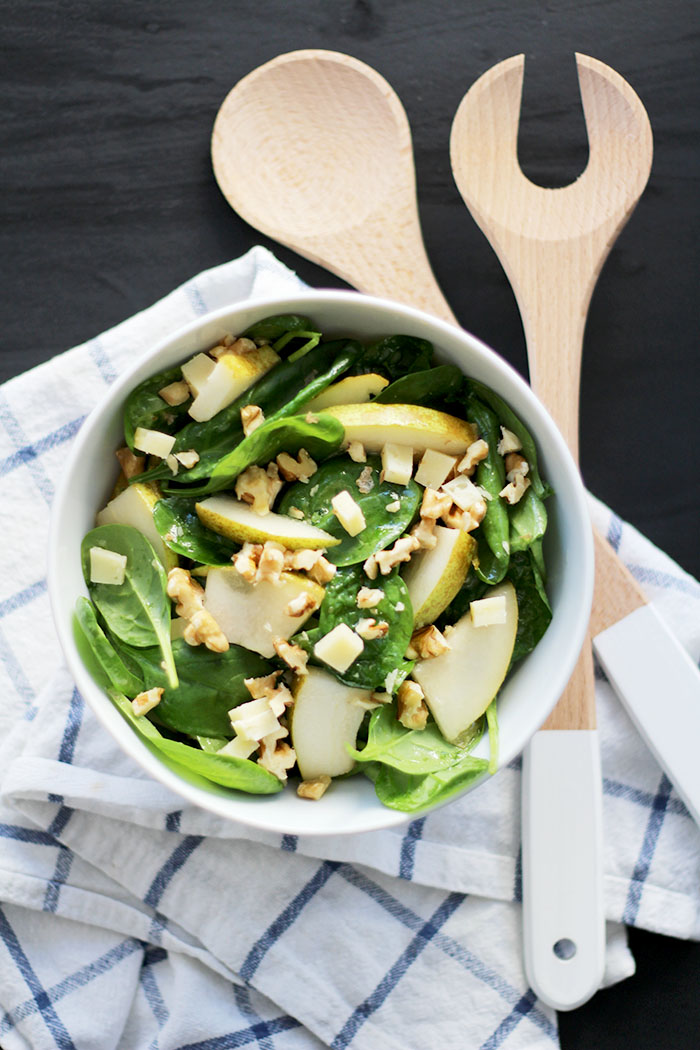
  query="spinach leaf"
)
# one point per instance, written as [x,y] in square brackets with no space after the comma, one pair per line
[239,773]
[410,793]
[424,388]
[340,473]
[528,521]
[212,743]
[270,329]
[395,356]
[277,390]
[534,610]
[209,685]
[507,417]
[492,723]
[380,656]
[493,534]
[113,671]
[283,434]
[415,751]
[182,531]
[145,408]
[136,611]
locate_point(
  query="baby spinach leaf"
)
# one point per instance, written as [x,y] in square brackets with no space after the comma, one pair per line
[239,773]
[136,611]
[410,793]
[492,723]
[145,408]
[395,356]
[212,743]
[493,534]
[380,656]
[270,329]
[114,672]
[528,521]
[415,751]
[382,527]
[426,387]
[534,610]
[182,531]
[209,685]
[507,417]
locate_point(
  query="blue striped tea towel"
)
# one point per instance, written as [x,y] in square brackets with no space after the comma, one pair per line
[129,921]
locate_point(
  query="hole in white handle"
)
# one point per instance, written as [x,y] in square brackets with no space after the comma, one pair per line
[564,948]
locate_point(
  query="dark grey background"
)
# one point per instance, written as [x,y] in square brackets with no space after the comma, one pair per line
[107,202]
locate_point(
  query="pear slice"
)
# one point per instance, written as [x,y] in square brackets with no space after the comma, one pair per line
[253,614]
[460,684]
[433,577]
[232,374]
[239,522]
[352,390]
[325,717]
[134,506]
[415,425]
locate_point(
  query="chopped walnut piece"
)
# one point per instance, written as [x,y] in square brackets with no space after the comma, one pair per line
[130,463]
[252,416]
[310,418]
[515,465]
[412,711]
[188,458]
[514,491]
[356,451]
[428,642]
[477,451]
[315,788]
[424,532]
[228,345]
[322,571]
[401,551]
[293,655]
[300,605]
[295,512]
[509,442]
[365,482]
[146,701]
[311,561]
[270,563]
[189,598]
[262,688]
[276,757]
[370,629]
[259,487]
[247,559]
[435,504]
[299,469]
[394,507]
[368,597]
[175,393]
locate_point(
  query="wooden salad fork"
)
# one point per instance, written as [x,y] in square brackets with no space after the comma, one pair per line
[552,244]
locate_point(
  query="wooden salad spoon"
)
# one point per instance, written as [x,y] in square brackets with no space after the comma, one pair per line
[552,244]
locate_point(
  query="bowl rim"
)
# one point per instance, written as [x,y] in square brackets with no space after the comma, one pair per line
[303,302]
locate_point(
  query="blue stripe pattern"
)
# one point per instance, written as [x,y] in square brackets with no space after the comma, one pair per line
[521,1009]
[102,360]
[407,858]
[22,598]
[14,430]
[244,1036]
[175,861]
[24,455]
[646,854]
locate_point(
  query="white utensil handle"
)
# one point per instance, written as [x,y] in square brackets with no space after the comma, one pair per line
[659,686]
[563,915]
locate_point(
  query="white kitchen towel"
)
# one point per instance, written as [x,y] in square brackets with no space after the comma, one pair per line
[128,920]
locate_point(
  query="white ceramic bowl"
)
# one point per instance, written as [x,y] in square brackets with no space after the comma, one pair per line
[531,691]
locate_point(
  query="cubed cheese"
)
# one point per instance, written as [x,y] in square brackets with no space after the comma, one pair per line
[197,370]
[339,648]
[397,463]
[434,468]
[348,513]
[153,442]
[463,492]
[107,566]
[488,611]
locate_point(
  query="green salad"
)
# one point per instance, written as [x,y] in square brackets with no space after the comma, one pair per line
[321,558]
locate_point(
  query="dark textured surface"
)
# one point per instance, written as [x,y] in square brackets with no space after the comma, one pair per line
[107,202]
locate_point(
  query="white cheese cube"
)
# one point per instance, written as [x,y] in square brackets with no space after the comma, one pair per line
[107,566]
[486,612]
[397,463]
[348,513]
[339,648]
[153,442]
[197,370]
[463,492]
[434,468]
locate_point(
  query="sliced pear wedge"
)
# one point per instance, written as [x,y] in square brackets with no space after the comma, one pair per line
[352,390]
[134,506]
[239,522]
[433,577]
[253,615]
[325,717]
[231,375]
[460,684]
[415,425]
